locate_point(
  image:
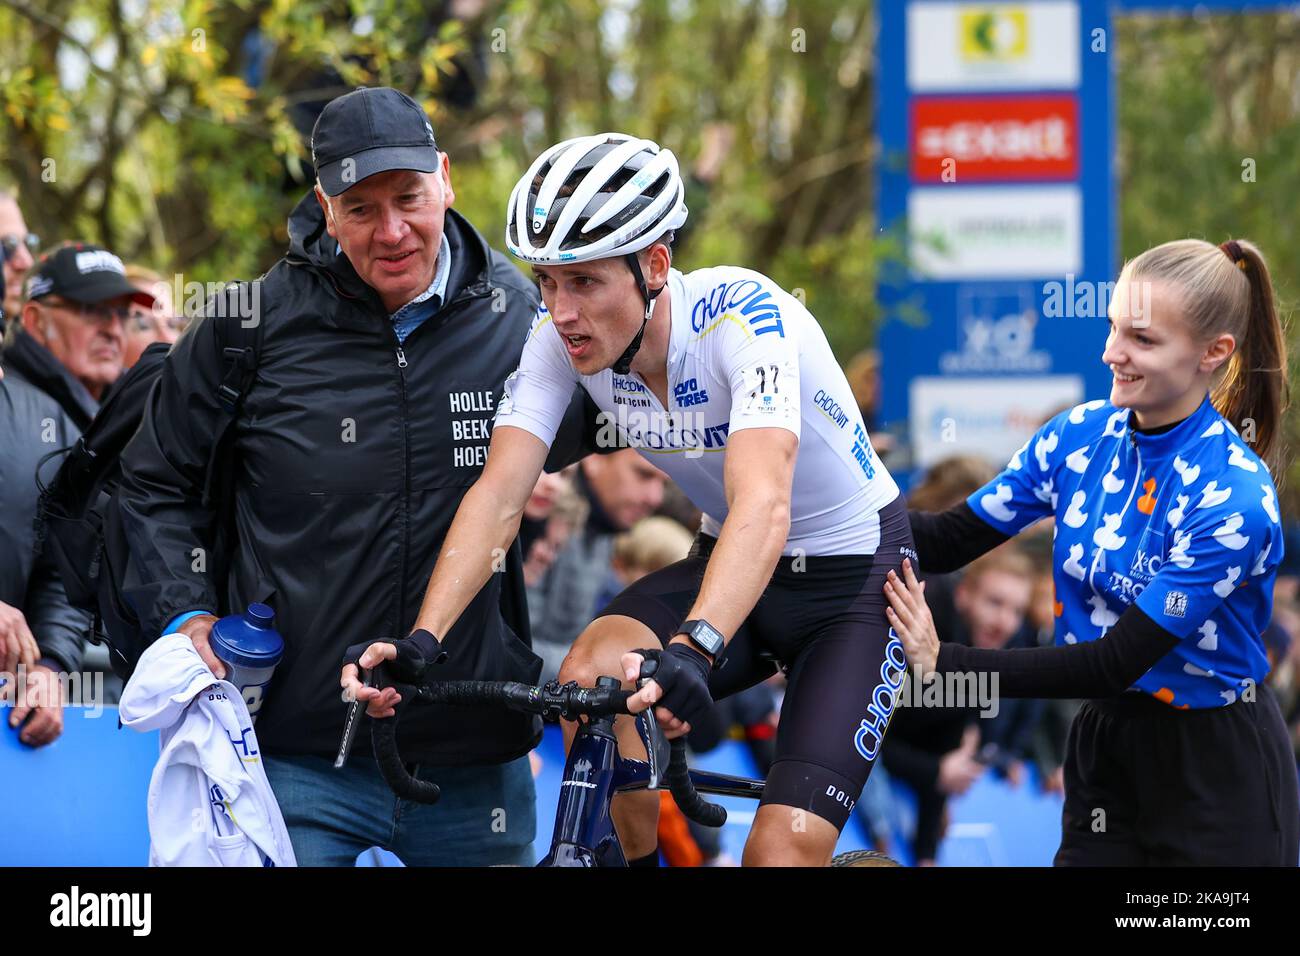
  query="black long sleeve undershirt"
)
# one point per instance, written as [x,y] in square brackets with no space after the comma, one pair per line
[1101,668]
[948,540]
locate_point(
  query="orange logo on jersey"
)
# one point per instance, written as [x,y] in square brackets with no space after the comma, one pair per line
[1058,608]
[1147,503]
[1165,695]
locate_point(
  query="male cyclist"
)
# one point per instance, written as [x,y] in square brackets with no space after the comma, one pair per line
[725,382]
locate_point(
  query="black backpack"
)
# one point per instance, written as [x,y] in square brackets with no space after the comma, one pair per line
[78,524]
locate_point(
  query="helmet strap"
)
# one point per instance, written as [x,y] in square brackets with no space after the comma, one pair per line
[624,363]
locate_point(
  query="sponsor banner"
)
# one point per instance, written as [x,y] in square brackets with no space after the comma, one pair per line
[996,326]
[989,417]
[995,232]
[992,46]
[982,138]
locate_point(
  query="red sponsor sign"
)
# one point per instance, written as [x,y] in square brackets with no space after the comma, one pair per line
[994,138]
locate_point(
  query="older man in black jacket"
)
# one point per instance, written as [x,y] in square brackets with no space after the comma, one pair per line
[387,332]
[40,632]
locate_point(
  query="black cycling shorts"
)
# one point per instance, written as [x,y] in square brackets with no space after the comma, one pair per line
[1147,784]
[823,619]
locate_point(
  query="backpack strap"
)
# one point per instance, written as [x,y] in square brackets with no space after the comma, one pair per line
[240,344]
[240,349]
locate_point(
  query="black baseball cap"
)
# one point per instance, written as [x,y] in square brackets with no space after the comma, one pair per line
[369,131]
[81,272]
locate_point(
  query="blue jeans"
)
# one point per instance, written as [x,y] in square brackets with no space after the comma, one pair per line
[487,815]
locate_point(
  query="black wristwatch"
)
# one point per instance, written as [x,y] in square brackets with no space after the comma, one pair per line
[704,636]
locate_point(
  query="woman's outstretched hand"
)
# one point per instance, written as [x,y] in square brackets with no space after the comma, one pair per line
[910,618]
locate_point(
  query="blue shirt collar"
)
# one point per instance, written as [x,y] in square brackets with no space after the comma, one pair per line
[437,288]
[409,317]
[1178,437]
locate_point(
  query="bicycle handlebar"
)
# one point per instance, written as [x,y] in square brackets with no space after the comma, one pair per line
[693,806]
[567,701]
[551,700]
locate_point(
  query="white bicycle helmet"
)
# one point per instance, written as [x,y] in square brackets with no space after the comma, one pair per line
[595,197]
[598,197]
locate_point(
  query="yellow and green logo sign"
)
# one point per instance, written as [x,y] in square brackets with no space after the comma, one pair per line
[994,34]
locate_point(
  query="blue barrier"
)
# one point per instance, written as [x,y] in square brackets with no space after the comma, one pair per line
[81,802]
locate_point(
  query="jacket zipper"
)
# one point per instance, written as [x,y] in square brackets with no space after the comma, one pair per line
[1137,478]
[1137,474]
[468,293]
[404,515]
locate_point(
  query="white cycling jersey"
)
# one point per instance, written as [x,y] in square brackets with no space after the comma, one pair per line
[742,353]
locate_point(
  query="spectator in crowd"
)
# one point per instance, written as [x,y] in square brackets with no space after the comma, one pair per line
[1277,647]
[147,325]
[863,373]
[387,333]
[716,139]
[532,526]
[19,250]
[680,508]
[948,482]
[652,543]
[1287,586]
[621,488]
[72,337]
[1282,644]
[935,750]
[1007,738]
[40,633]
[544,535]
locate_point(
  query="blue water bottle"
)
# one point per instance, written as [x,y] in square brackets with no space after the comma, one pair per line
[250,648]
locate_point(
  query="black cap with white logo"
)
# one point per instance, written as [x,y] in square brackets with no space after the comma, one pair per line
[369,131]
[80,272]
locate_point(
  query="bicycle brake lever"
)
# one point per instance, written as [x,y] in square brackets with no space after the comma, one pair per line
[350,724]
[650,734]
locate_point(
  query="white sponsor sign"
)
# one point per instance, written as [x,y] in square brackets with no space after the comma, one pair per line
[992,46]
[995,232]
[989,417]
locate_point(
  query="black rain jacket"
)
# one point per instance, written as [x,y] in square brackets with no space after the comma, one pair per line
[353,455]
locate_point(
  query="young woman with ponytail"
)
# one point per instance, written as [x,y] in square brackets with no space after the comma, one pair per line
[1167,542]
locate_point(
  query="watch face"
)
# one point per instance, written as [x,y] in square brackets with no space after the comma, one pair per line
[703,634]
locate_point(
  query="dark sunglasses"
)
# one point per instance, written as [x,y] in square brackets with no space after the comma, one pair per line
[10,244]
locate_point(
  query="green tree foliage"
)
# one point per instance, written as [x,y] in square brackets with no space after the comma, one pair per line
[163,150]
[1209,147]
[156,126]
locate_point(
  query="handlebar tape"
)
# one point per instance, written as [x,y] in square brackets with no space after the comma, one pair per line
[688,800]
[383,737]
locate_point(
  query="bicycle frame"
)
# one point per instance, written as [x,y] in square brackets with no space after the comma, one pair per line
[593,773]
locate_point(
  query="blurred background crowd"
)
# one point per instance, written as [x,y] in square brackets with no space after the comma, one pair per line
[174,139]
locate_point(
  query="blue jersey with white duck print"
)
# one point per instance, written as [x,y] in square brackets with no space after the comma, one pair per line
[1184,523]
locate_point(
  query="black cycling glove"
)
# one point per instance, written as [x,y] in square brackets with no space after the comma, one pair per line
[415,655]
[683,674]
